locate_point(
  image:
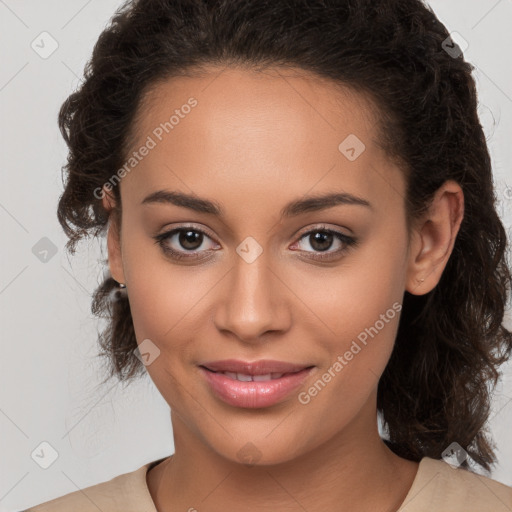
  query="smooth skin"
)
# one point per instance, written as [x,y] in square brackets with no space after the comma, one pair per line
[255,142]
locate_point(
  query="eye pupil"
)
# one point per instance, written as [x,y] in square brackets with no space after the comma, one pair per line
[190,237]
[322,237]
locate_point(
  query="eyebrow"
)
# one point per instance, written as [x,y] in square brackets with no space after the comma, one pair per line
[292,209]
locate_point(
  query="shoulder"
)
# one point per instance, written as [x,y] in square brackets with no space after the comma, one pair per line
[439,486]
[124,493]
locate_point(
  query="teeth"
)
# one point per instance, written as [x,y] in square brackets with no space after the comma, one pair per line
[247,378]
[267,376]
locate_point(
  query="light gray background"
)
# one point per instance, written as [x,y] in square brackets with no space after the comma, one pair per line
[49,373]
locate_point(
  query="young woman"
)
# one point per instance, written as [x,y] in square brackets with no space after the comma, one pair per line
[302,238]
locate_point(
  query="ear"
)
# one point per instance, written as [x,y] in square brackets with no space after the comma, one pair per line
[433,239]
[113,237]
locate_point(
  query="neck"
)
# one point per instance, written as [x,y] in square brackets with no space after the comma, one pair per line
[352,471]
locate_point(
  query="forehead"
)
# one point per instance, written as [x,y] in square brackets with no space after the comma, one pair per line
[269,135]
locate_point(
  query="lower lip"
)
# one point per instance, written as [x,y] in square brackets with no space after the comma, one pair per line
[254,394]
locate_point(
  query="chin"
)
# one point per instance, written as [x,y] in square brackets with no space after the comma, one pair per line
[258,453]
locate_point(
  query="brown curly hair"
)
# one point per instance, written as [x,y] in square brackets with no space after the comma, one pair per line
[434,390]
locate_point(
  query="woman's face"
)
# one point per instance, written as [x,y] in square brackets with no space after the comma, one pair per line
[250,284]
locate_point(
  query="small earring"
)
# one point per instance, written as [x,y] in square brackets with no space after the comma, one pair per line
[420,280]
[119,292]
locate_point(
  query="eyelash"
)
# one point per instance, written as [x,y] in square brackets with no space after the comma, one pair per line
[347,240]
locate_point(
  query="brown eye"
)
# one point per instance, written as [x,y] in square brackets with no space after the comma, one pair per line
[322,239]
[184,243]
[190,240]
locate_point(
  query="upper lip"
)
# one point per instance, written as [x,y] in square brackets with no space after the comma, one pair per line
[261,367]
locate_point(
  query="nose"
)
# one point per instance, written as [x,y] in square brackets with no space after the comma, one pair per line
[254,302]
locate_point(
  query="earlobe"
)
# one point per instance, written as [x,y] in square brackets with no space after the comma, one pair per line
[433,239]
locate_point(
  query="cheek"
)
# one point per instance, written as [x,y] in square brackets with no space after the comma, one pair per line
[358,305]
[163,296]
[166,309]
[364,320]
[166,306]
[352,299]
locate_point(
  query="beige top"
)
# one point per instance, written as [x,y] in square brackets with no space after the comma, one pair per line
[436,487]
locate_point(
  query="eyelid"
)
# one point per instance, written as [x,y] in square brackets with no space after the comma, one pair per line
[193,227]
[298,235]
[347,240]
[321,227]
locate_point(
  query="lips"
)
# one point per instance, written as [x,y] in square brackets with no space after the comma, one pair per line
[253,385]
